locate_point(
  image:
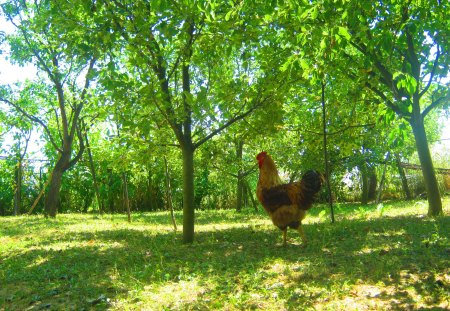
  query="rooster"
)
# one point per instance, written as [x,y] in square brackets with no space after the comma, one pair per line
[286,204]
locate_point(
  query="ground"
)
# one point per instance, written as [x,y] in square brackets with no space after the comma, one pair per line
[386,257]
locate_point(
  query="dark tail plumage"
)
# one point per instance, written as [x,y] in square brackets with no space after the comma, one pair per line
[313,181]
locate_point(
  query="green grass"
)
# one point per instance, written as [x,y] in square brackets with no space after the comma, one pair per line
[385,257]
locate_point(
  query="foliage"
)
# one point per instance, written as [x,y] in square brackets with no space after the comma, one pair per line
[6,188]
[174,74]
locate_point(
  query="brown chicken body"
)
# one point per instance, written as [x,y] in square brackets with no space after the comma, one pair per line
[286,204]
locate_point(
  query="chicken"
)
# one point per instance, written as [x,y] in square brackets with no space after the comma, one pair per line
[286,204]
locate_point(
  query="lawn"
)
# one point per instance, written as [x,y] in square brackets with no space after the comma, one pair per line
[373,257]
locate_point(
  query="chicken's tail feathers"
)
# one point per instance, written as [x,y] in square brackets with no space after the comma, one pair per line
[313,180]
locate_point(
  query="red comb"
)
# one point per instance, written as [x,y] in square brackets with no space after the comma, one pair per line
[261,154]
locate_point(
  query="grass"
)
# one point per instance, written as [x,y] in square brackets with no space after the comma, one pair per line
[374,257]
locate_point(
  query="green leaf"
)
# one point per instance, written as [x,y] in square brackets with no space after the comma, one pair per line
[345,14]
[285,66]
[228,15]
[314,13]
[343,31]
[304,64]
[411,84]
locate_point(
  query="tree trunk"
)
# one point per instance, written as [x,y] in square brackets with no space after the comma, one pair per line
[401,171]
[52,200]
[239,185]
[250,194]
[149,206]
[325,153]
[63,163]
[18,190]
[429,176]
[372,184]
[188,194]
[245,201]
[239,193]
[364,184]
[93,172]
[416,121]
[43,187]
[111,194]
[126,199]
[383,179]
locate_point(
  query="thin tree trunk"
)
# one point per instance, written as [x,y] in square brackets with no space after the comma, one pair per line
[429,176]
[245,201]
[239,185]
[187,147]
[40,195]
[93,171]
[18,189]
[364,183]
[403,178]
[43,185]
[125,196]
[250,194]
[325,153]
[188,194]
[19,177]
[169,195]
[149,193]
[239,194]
[372,192]
[111,202]
[383,179]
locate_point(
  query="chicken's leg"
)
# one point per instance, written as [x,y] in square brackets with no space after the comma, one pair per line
[284,237]
[302,235]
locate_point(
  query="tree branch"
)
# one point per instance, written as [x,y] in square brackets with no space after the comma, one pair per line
[412,57]
[435,104]
[386,100]
[230,122]
[386,76]
[337,132]
[433,71]
[378,92]
[79,107]
[80,150]
[243,175]
[33,119]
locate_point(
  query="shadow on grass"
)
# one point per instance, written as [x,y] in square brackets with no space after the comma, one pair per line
[22,225]
[92,270]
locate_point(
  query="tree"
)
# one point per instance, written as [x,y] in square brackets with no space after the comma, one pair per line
[396,49]
[41,39]
[185,60]
[18,135]
[404,54]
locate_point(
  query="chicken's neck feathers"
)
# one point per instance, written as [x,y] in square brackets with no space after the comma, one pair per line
[269,179]
[268,175]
